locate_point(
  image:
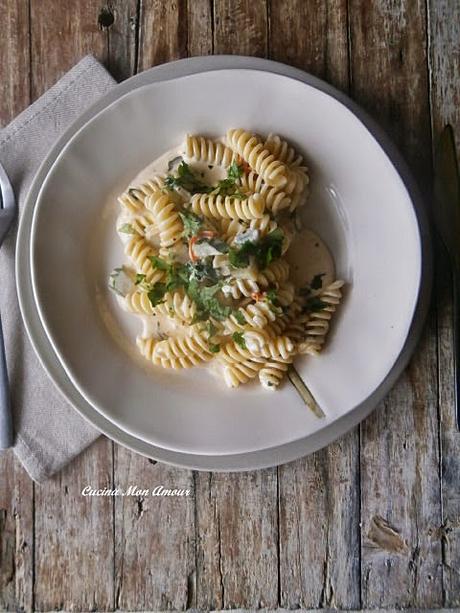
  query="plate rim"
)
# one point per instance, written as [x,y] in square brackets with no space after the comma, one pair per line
[294,449]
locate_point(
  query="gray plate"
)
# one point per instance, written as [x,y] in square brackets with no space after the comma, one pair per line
[247,461]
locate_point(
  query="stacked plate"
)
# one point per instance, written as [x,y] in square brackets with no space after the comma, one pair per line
[363,204]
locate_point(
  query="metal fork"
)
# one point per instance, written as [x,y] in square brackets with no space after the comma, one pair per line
[7,215]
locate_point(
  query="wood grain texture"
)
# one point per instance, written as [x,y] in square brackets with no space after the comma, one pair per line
[241,27]
[162,32]
[154,537]
[318,495]
[200,39]
[237,540]
[444,36]
[16,488]
[74,536]
[399,448]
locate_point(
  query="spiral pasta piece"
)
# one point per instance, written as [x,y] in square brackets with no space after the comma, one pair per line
[273,372]
[177,305]
[297,176]
[139,251]
[275,199]
[283,151]
[249,147]
[282,322]
[264,224]
[206,150]
[285,294]
[276,273]
[217,206]
[318,322]
[183,351]
[166,218]
[237,374]
[138,301]
[256,315]
[260,344]
[239,365]
[238,288]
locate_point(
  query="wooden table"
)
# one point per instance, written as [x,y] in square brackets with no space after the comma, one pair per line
[370,522]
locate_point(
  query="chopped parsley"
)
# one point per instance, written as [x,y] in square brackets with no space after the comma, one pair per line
[208,305]
[127,228]
[315,304]
[192,223]
[264,250]
[159,263]
[238,315]
[317,281]
[210,329]
[188,180]
[214,348]
[238,337]
[156,293]
[229,186]
[140,278]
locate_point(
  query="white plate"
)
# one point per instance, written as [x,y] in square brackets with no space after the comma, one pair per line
[327,433]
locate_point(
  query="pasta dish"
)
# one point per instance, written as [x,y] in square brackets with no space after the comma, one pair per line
[208,243]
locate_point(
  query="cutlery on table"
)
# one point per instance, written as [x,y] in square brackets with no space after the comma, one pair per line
[7,214]
[447,220]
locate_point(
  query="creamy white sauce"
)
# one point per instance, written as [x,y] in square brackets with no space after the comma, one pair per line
[308,256]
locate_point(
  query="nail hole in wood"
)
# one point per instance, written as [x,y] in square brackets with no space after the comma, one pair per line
[105,18]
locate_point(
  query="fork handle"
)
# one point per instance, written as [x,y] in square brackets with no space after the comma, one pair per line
[456,353]
[6,422]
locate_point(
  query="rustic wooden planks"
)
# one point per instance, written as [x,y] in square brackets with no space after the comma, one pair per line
[154,537]
[399,447]
[288,537]
[16,489]
[162,32]
[444,37]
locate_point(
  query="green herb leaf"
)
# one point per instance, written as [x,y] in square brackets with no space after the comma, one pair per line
[159,263]
[156,294]
[265,250]
[214,348]
[315,304]
[127,228]
[139,279]
[234,171]
[210,329]
[187,180]
[238,315]
[238,337]
[206,301]
[192,223]
[317,281]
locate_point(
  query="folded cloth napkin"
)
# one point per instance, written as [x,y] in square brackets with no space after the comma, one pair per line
[49,433]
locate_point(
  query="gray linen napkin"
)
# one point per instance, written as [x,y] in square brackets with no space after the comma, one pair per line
[49,433]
